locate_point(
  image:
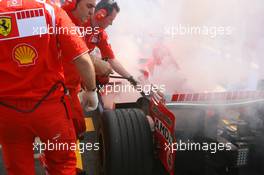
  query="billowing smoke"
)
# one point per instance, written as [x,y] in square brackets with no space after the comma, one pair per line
[191,45]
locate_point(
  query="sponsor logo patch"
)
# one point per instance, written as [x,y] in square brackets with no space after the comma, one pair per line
[24,23]
[25,55]
[5,25]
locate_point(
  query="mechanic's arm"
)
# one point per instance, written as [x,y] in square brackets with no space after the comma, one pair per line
[86,70]
[107,52]
[119,68]
[74,49]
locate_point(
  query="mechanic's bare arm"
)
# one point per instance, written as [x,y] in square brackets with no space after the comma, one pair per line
[86,70]
[117,67]
[102,68]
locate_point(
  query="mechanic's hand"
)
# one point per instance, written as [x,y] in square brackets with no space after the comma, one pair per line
[89,100]
[102,68]
[132,81]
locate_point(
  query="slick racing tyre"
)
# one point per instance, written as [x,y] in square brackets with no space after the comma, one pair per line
[126,144]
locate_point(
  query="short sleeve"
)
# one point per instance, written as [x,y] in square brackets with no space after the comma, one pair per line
[71,44]
[105,47]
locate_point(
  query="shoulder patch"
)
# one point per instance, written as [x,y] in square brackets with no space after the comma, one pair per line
[24,23]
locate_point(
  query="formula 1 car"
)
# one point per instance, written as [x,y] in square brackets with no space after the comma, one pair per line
[219,133]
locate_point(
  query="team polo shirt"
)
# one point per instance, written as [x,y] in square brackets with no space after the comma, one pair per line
[30,62]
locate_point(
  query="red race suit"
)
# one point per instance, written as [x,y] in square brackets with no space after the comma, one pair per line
[30,66]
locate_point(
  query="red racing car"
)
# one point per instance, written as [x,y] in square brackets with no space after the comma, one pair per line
[218,133]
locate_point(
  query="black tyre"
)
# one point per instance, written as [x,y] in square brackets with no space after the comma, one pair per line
[126,144]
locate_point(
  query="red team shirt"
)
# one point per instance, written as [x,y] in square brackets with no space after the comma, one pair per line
[29,63]
[92,39]
[99,39]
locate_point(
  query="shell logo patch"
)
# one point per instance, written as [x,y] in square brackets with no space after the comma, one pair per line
[5,26]
[25,54]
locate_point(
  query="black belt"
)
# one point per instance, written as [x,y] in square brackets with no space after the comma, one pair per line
[43,98]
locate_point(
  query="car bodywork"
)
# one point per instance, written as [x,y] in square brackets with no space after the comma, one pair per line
[233,119]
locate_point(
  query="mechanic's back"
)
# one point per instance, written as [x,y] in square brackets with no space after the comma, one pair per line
[29,63]
[30,71]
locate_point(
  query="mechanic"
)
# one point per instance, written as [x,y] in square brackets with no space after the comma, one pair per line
[79,11]
[33,98]
[105,13]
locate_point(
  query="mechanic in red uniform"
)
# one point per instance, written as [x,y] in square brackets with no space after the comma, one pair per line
[104,15]
[79,11]
[32,98]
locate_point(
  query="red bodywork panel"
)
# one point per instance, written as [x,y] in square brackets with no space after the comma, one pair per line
[217,96]
[164,132]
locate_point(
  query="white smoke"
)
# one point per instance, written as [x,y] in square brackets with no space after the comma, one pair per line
[229,59]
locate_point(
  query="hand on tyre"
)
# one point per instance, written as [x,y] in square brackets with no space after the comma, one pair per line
[89,100]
